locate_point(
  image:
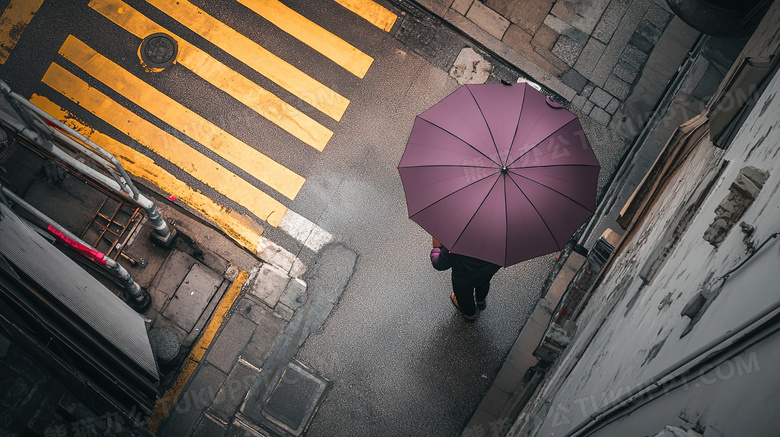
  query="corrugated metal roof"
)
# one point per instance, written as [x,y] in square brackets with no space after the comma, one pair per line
[76,289]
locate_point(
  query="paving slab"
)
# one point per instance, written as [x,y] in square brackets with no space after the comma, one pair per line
[617,87]
[250,307]
[563,10]
[461,6]
[574,80]
[527,14]
[601,116]
[488,19]
[590,56]
[613,106]
[544,38]
[626,72]
[192,296]
[495,45]
[577,103]
[610,20]
[284,312]
[537,52]
[587,107]
[438,7]
[586,15]
[658,16]
[567,49]
[234,390]
[269,283]
[168,278]
[600,97]
[634,56]
[269,329]
[198,395]
[230,342]
[294,294]
[649,31]
[196,331]
[208,427]
[619,39]
[241,428]
[556,24]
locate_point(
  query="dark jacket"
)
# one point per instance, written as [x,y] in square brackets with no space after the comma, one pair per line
[443,259]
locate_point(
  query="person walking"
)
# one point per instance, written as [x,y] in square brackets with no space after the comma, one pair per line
[470,279]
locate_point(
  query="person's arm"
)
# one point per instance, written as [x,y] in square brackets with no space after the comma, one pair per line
[439,258]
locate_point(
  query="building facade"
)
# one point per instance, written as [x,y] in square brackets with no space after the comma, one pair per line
[679,335]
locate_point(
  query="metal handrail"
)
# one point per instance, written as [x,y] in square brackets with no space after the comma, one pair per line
[39,127]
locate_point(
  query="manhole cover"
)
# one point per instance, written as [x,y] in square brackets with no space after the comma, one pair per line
[158,51]
[295,399]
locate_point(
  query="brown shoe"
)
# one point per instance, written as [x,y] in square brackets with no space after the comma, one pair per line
[482,305]
[468,318]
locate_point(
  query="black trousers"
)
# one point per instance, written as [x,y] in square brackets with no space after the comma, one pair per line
[470,286]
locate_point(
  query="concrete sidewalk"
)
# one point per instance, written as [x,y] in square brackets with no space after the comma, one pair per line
[593,55]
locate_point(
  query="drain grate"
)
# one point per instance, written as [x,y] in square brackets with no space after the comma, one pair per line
[295,399]
[158,51]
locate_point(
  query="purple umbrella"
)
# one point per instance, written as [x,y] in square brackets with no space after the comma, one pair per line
[499,172]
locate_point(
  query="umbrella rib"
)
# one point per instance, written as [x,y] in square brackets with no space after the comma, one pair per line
[447,165]
[555,165]
[459,138]
[486,124]
[476,210]
[538,213]
[540,142]
[506,221]
[517,126]
[454,192]
[552,189]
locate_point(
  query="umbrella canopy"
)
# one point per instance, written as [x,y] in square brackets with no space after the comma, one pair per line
[499,172]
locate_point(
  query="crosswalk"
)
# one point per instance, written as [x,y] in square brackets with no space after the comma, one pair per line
[13,21]
[219,160]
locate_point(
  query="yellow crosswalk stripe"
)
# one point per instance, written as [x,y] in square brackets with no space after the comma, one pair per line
[375,14]
[15,18]
[258,58]
[165,145]
[221,76]
[173,113]
[242,229]
[309,33]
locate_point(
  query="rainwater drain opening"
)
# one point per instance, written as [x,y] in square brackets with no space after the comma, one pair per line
[158,51]
[295,399]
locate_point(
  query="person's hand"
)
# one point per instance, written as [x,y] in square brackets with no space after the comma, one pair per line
[435,242]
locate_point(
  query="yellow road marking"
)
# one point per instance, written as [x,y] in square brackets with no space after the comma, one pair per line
[309,33]
[241,229]
[173,113]
[165,145]
[15,18]
[166,402]
[252,54]
[371,12]
[221,76]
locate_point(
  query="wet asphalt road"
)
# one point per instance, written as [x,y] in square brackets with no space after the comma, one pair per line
[401,360]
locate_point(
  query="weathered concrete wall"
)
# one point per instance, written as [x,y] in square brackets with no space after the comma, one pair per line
[632,330]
